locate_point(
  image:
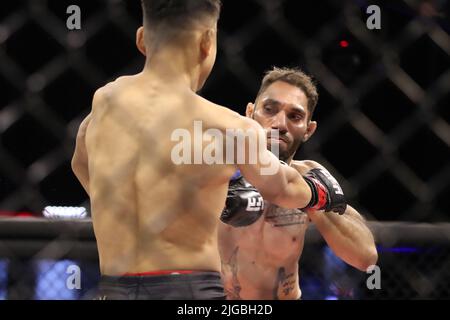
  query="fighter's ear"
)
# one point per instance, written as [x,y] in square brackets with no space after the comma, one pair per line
[250,110]
[312,126]
[206,43]
[140,42]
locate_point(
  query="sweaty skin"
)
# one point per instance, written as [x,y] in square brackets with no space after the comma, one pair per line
[260,261]
[148,213]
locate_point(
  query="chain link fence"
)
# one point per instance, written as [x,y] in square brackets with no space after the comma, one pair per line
[383,117]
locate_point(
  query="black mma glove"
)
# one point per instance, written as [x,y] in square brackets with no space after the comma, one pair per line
[327,194]
[244,204]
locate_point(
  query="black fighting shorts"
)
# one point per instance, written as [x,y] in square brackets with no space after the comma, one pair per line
[176,285]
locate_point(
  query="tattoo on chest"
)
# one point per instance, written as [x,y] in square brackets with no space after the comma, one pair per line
[230,266]
[284,285]
[280,217]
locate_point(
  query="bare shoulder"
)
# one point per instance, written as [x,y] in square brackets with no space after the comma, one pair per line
[304,166]
[214,108]
[102,94]
[223,117]
[112,90]
[308,163]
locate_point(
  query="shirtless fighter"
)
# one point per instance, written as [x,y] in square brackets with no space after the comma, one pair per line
[156,220]
[260,249]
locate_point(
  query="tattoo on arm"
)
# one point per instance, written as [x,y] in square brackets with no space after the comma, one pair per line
[232,266]
[284,284]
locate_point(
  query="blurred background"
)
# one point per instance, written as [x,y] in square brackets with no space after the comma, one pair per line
[383,115]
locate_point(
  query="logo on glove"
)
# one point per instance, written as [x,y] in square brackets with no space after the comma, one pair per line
[255,204]
[337,188]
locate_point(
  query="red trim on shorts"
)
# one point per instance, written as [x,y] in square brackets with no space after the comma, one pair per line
[161,273]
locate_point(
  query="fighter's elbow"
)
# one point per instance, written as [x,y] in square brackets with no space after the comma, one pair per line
[73,165]
[76,165]
[372,257]
[367,260]
[80,171]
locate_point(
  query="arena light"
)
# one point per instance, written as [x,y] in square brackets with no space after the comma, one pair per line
[343,44]
[63,212]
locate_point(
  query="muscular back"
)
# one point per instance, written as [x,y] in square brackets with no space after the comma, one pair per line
[148,213]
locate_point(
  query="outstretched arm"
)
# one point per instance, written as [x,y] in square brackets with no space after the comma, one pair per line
[278,183]
[347,234]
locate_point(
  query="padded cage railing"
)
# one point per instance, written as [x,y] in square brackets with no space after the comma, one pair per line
[37,259]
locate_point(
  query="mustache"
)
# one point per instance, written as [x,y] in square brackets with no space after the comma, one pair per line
[277,135]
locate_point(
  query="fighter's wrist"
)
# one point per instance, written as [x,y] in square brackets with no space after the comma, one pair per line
[319,194]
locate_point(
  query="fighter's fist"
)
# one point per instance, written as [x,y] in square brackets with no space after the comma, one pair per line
[244,204]
[327,194]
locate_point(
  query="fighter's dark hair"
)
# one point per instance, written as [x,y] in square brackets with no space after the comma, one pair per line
[178,13]
[295,77]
